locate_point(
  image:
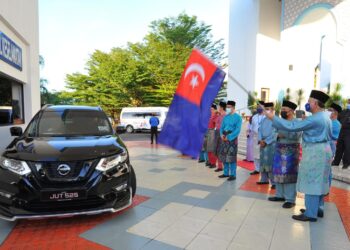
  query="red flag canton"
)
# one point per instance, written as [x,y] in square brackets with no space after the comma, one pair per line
[198,71]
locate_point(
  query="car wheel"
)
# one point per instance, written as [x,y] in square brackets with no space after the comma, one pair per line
[129,129]
[132,181]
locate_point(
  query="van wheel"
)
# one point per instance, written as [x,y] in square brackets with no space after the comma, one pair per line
[132,181]
[129,129]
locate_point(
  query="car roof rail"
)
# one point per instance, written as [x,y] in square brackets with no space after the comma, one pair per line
[46,106]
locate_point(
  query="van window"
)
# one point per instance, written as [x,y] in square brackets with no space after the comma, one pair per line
[140,115]
[128,115]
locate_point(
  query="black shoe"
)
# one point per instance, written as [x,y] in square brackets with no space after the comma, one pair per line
[273,187]
[345,166]
[319,213]
[276,199]
[200,161]
[231,178]
[223,176]
[217,170]
[335,164]
[288,205]
[262,182]
[207,163]
[254,172]
[212,166]
[302,217]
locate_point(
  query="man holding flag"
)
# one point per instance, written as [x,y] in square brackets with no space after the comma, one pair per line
[189,112]
[229,131]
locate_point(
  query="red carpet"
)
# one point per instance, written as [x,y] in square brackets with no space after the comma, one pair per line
[59,233]
[246,164]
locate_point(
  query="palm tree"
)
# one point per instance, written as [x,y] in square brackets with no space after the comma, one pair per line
[344,103]
[44,92]
[252,99]
[300,97]
[278,106]
[222,95]
[287,96]
[335,96]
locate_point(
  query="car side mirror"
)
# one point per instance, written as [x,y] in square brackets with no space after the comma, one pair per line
[16,131]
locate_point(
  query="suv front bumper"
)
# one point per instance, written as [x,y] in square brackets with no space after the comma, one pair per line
[20,197]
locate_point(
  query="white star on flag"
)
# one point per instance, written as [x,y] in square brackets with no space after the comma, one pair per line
[194,82]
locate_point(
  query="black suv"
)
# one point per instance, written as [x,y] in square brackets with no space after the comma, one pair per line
[67,162]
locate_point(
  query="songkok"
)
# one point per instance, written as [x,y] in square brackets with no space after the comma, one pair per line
[336,107]
[319,95]
[232,103]
[289,104]
[268,104]
[213,106]
[222,105]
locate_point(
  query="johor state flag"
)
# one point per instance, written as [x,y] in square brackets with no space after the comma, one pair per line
[189,113]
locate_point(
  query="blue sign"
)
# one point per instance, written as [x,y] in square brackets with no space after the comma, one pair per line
[10,52]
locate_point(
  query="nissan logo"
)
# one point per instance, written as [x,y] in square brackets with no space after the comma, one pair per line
[63,169]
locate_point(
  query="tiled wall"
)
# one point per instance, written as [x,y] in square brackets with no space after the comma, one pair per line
[293,8]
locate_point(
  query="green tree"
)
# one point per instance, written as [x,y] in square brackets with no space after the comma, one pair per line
[144,73]
[189,32]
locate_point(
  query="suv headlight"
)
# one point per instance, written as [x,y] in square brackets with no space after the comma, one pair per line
[111,161]
[16,166]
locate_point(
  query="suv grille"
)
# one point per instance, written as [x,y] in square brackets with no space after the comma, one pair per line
[62,171]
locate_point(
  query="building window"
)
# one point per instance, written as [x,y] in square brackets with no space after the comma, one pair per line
[11,102]
[265,94]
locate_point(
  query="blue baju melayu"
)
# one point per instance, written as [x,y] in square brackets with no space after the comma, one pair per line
[230,127]
[314,169]
[267,134]
[336,126]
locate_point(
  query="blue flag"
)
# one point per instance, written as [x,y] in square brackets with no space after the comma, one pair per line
[189,113]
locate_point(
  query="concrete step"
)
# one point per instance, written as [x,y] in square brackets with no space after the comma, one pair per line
[341,174]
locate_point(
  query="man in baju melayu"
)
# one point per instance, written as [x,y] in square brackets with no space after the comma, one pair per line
[315,165]
[286,159]
[267,140]
[229,131]
[211,145]
[335,110]
[256,122]
[220,116]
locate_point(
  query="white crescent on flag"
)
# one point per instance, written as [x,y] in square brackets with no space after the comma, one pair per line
[195,67]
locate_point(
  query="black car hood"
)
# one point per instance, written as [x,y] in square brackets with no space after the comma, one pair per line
[63,148]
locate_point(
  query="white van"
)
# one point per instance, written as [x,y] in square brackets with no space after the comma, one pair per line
[137,119]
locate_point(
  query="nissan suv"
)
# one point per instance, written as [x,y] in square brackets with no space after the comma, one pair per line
[67,162]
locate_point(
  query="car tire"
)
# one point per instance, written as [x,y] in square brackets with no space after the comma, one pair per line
[132,181]
[129,129]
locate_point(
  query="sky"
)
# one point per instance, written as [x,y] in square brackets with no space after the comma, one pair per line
[71,30]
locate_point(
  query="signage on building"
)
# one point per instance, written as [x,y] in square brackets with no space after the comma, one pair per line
[10,52]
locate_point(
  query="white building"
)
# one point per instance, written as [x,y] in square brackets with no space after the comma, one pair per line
[19,66]
[275,45]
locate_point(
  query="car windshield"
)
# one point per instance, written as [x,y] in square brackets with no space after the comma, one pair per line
[74,123]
